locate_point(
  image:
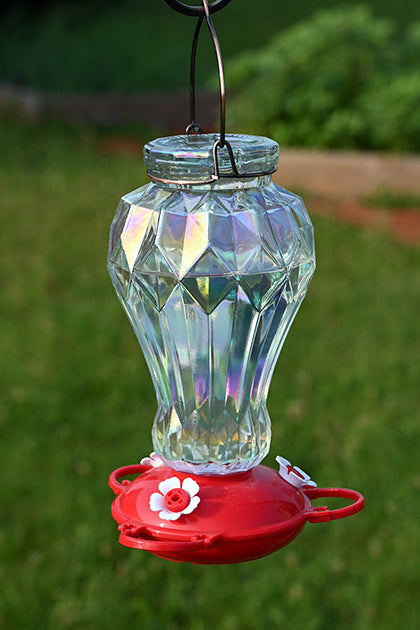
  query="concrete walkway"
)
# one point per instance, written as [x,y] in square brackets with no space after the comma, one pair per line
[158,110]
[347,174]
[344,174]
[337,181]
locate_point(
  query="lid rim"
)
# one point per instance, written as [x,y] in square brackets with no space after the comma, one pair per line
[201,159]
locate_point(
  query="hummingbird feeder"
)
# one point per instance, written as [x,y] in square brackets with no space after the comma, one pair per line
[211,261]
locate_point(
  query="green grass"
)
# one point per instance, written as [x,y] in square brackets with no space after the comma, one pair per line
[77,402]
[134,46]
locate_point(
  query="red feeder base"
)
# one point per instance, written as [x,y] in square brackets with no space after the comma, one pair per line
[209,519]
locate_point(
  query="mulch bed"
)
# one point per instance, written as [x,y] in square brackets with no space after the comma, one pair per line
[402,224]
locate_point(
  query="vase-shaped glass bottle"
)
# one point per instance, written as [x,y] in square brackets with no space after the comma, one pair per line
[211,276]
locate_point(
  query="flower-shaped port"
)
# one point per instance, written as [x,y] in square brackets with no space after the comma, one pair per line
[153,460]
[293,474]
[173,500]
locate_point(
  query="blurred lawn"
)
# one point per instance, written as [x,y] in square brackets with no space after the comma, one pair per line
[137,45]
[77,402]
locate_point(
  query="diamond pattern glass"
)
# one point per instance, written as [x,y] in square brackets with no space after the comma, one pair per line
[211,278]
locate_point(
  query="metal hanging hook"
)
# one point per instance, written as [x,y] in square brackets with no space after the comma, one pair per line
[222,87]
[203,13]
[193,126]
[187,9]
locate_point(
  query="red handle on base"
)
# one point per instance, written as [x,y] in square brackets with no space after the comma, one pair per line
[138,538]
[134,469]
[323,513]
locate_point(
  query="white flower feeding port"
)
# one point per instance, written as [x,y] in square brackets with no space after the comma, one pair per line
[293,474]
[175,499]
[211,261]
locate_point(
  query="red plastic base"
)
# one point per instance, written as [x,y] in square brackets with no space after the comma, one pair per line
[216,519]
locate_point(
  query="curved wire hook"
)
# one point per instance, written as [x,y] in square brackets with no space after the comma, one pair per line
[193,126]
[187,9]
[222,87]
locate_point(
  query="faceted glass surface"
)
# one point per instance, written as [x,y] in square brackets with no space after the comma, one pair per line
[211,278]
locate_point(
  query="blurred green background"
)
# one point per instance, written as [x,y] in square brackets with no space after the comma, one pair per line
[77,400]
[307,74]
[142,44]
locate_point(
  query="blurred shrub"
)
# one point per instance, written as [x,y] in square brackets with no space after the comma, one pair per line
[392,113]
[342,79]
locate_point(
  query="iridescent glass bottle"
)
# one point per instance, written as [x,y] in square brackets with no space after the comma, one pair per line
[211,276]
